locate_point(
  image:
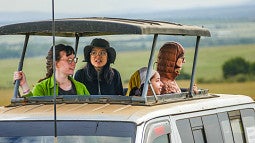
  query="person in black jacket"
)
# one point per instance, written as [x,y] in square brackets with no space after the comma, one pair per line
[97,75]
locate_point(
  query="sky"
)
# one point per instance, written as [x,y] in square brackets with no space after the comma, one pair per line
[108,6]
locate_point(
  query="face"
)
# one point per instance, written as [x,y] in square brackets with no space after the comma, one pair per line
[98,57]
[179,64]
[156,83]
[66,64]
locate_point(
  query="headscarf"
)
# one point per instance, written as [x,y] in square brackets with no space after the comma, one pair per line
[167,58]
[168,55]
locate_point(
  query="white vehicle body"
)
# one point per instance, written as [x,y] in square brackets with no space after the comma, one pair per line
[147,123]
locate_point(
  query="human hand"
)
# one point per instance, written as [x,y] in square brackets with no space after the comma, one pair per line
[195,89]
[19,75]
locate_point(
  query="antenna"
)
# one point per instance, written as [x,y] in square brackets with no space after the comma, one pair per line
[54,70]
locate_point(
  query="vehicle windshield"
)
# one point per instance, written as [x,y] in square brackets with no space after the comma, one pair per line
[68,131]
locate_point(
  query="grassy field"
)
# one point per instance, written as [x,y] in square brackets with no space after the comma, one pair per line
[209,66]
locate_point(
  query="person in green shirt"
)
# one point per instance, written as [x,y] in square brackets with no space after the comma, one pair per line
[65,66]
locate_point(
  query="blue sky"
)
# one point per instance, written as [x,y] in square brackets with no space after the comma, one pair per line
[109,6]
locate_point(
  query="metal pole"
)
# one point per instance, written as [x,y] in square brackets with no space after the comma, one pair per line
[191,93]
[54,70]
[20,67]
[145,88]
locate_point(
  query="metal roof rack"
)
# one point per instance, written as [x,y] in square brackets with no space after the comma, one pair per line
[113,99]
[95,26]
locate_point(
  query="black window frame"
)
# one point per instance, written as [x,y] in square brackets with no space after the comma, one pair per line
[68,128]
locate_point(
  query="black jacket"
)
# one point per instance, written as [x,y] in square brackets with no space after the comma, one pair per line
[114,88]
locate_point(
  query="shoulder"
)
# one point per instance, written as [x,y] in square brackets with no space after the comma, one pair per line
[46,82]
[79,74]
[44,87]
[80,71]
[116,71]
[76,83]
[80,87]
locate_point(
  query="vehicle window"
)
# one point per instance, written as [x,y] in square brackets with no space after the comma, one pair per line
[185,132]
[65,139]
[191,130]
[198,135]
[68,131]
[225,127]
[212,129]
[157,130]
[197,130]
[200,129]
[248,119]
[237,126]
[162,139]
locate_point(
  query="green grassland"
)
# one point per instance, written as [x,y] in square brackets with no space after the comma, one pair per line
[209,67]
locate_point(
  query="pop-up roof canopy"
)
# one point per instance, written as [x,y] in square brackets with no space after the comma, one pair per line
[101,26]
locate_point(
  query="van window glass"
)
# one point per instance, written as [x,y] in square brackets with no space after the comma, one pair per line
[162,139]
[196,122]
[237,126]
[225,127]
[68,131]
[198,135]
[212,129]
[248,119]
[197,129]
[64,139]
[184,130]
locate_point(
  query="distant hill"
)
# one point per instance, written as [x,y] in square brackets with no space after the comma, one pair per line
[229,25]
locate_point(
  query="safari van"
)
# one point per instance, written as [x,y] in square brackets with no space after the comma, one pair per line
[170,118]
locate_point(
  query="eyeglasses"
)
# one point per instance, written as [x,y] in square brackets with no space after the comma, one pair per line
[101,53]
[70,60]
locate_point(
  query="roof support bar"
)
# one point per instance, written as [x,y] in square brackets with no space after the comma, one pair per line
[191,93]
[150,64]
[20,67]
[77,37]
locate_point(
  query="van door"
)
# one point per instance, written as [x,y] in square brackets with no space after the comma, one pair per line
[157,131]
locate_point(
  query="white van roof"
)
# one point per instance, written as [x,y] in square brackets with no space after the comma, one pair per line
[118,112]
[94,26]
